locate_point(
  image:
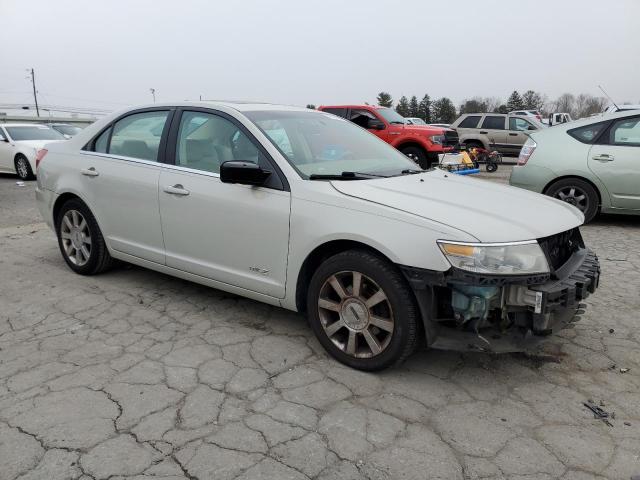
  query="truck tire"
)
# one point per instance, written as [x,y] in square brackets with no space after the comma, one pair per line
[418,155]
[362,311]
[578,193]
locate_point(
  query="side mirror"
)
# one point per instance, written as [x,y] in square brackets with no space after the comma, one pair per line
[244,173]
[531,127]
[375,124]
[3,138]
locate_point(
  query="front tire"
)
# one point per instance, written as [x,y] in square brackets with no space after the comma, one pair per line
[578,193]
[23,168]
[491,167]
[80,239]
[418,155]
[362,311]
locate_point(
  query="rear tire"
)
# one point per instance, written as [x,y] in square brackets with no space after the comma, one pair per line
[578,193]
[80,239]
[369,319]
[418,155]
[491,167]
[23,168]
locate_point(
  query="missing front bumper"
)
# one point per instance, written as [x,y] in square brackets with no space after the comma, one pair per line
[519,312]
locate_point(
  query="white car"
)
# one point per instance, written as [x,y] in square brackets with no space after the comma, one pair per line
[19,145]
[305,210]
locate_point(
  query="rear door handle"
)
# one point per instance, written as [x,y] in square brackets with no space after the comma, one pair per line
[513,134]
[176,189]
[604,158]
[483,132]
[89,172]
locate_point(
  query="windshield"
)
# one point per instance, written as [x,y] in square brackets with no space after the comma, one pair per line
[68,129]
[35,132]
[391,116]
[317,143]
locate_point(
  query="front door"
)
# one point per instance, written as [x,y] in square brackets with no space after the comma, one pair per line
[120,180]
[234,234]
[517,134]
[6,152]
[493,127]
[615,159]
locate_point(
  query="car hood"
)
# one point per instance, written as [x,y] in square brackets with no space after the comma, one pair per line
[36,143]
[483,209]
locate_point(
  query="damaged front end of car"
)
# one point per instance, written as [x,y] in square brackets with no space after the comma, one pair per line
[504,297]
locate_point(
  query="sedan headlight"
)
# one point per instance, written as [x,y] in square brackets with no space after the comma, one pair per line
[520,258]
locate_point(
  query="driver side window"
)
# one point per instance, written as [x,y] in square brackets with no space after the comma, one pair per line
[361,117]
[206,141]
[519,124]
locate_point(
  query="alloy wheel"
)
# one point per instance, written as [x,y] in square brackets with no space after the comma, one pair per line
[356,314]
[22,167]
[76,237]
[574,196]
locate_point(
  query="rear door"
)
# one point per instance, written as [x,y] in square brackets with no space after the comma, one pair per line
[493,127]
[120,176]
[615,159]
[519,127]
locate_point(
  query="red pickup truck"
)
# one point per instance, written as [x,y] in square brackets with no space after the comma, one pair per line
[422,143]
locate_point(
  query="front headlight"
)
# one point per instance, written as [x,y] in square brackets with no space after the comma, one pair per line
[521,258]
[437,139]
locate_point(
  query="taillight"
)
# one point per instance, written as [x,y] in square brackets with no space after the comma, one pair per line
[40,155]
[526,151]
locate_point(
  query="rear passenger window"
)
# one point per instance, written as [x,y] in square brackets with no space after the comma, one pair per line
[625,132]
[138,135]
[341,112]
[493,123]
[470,122]
[588,133]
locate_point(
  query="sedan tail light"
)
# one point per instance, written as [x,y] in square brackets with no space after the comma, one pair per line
[526,151]
[40,155]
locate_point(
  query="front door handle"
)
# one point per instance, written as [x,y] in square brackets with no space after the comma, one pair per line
[513,134]
[176,189]
[89,172]
[483,132]
[604,158]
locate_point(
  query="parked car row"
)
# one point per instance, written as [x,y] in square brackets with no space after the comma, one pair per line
[20,142]
[305,210]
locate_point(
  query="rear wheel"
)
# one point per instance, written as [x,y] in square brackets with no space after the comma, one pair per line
[362,311]
[23,168]
[578,193]
[80,239]
[418,155]
[491,167]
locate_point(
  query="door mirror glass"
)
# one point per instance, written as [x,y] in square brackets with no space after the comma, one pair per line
[244,173]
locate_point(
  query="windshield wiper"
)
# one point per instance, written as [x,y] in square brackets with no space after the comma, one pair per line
[345,176]
[397,122]
[409,171]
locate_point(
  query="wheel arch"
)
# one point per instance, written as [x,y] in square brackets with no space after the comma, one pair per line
[320,254]
[411,143]
[578,177]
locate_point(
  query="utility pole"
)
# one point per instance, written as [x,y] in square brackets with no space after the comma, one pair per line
[35,95]
[153,92]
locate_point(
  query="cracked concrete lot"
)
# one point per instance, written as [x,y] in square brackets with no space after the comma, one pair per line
[134,374]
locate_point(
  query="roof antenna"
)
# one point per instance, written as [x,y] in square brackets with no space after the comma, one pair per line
[607,95]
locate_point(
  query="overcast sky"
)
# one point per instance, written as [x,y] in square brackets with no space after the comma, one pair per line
[107,54]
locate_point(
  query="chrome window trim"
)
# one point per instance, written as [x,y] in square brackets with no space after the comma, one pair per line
[121,157]
[190,170]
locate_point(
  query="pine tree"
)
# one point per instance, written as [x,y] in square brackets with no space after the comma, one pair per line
[443,111]
[403,106]
[424,109]
[414,107]
[515,102]
[532,100]
[384,99]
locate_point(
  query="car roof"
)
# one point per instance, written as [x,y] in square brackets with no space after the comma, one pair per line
[24,124]
[375,107]
[239,105]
